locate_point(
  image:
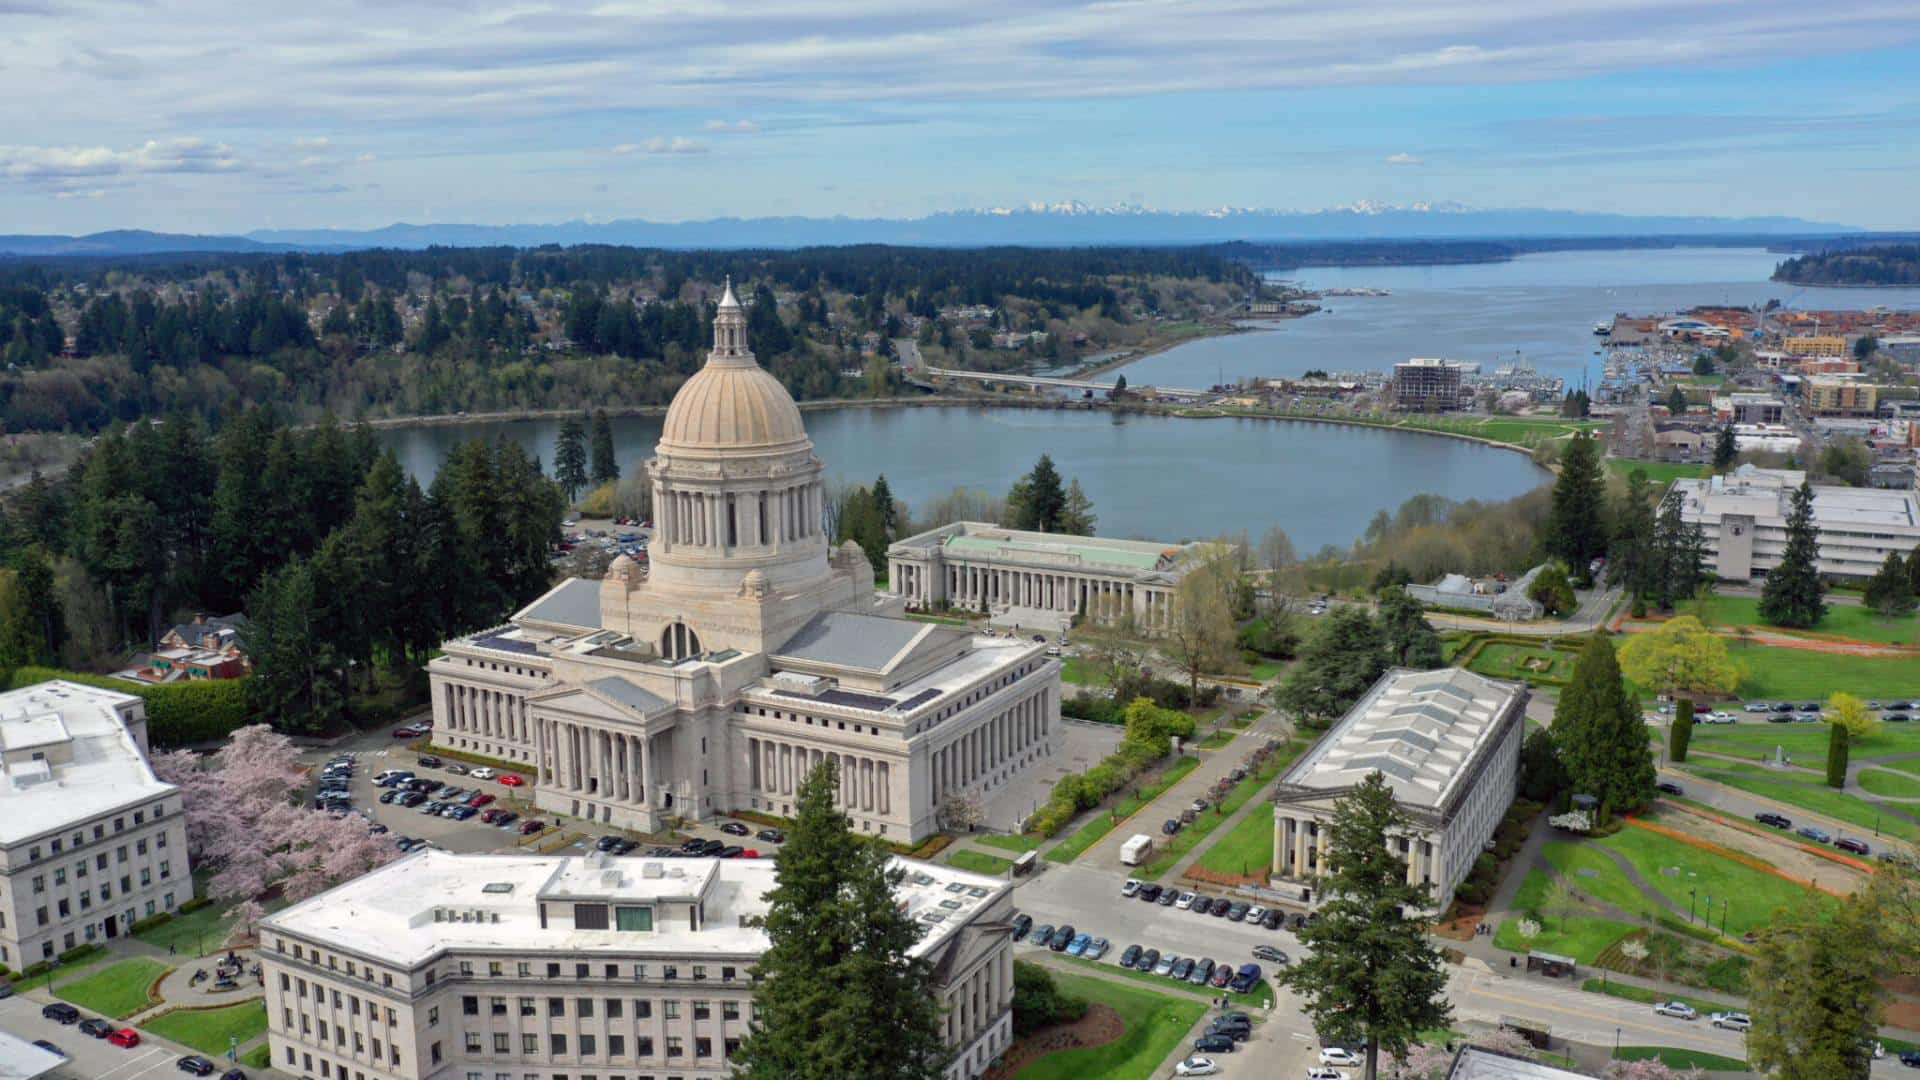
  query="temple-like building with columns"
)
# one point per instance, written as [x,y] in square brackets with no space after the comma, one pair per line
[1039,580]
[747,652]
[1448,744]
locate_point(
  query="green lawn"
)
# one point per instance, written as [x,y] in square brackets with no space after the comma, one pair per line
[1247,848]
[980,862]
[1806,744]
[1676,1058]
[1817,799]
[1893,784]
[1595,875]
[1584,938]
[1077,671]
[260,1057]
[1845,620]
[208,1030]
[117,991]
[1500,660]
[1267,670]
[1156,1023]
[1176,846]
[1755,894]
[195,934]
[1774,673]
[1905,765]
[1659,473]
[1103,823]
[1013,842]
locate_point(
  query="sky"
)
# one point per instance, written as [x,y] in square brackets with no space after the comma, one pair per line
[218,116]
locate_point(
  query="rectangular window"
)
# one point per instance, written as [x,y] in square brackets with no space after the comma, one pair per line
[589,917]
[616,1046]
[583,1007]
[586,1045]
[702,1011]
[529,1044]
[557,1044]
[614,1008]
[556,1006]
[633,918]
[526,1006]
[671,1009]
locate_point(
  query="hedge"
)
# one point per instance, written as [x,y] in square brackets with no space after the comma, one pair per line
[1148,739]
[80,952]
[178,714]
[188,907]
[151,921]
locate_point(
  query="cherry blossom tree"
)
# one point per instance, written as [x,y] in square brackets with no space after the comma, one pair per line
[1430,1061]
[1648,1070]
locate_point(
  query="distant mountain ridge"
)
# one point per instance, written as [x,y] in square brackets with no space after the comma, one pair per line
[1037,224]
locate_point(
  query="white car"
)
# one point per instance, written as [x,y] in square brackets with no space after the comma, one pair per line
[1256,913]
[1314,1073]
[1132,886]
[1185,901]
[1340,1056]
[1679,1010]
[1732,1021]
[1196,1066]
[482,773]
[1719,717]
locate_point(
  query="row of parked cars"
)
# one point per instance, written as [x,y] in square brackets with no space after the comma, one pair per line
[125,1037]
[1813,833]
[1219,907]
[1897,712]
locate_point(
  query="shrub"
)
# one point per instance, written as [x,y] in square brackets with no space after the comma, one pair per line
[178,714]
[80,952]
[151,921]
[190,906]
[40,968]
[1038,1002]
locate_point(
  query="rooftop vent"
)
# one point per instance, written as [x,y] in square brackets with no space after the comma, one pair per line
[497,887]
[652,871]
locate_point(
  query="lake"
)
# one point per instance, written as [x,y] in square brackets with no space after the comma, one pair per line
[1542,307]
[1155,477]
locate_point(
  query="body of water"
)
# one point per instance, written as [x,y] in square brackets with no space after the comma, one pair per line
[1542,307]
[1157,477]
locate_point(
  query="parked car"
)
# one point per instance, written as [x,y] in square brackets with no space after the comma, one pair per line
[1237,911]
[1128,956]
[1245,979]
[1679,1010]
[1196,1066]
[456,768]
[1184,901]
[410,731]
[730,851]
[1097,948]
[1167,897]
[1320,1072]
[126,1038]
[1182,971]
[1720,716]
[195,1064]
[509,780]
[1853,844]
[1897,718]
[1213,1044]
[1221,906]
[771,836]
[1022,923]
[1165,964]
[1201,904]
[1670,787]
[1149,960]
[483,773]
[531,825]
[1222,1025]
[429,761]
[1062,938]
[1339,1057]
[1814,833]
[1778,821]
[1170,826]
[96,1028]
[1078,946]
[1272,919]
[478,800]
[60,1013]
[734,828]
[1269,954]
[1759,706]
[1202,971]
[1910,1058]
[1042,935]
[1732,1021]
[1129,887]
[459,812]
[1149,893]
[1222,974]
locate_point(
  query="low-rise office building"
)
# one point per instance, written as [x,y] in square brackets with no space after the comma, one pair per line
[1840,397]
[90,840]
[1743,519]
[547,967]
[1448,744]
[1039,580]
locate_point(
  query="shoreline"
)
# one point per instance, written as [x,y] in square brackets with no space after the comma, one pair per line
[1227,328]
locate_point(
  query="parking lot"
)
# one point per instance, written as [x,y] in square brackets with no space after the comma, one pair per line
[96,1059]
[376,753]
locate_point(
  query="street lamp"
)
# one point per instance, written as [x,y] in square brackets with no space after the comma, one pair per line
[1616,1042]
[1690,906]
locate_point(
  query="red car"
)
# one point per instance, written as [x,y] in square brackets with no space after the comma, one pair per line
[531,826]
[479,800]
[510,780]
[125,1037]
[410,731]
[492,817]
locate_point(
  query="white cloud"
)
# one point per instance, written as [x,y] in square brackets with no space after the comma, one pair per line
[733,127]
[1405,159]
[367,159]
[315,143]
[89,193]
[61,164]
[679,144]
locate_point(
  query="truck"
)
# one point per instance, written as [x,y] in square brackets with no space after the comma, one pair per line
[1134,851]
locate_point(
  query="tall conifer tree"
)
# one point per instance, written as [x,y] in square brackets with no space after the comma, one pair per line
[1598,730]
[1794,595]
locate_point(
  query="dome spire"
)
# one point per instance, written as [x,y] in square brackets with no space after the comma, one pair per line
[730,330]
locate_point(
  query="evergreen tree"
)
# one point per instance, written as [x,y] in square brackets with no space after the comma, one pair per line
[1677,402]
[1336,668]
[1816,993]
[1598,730]
[1726,448]
[1575,532]
[838,993]
[1680,555]
[1890,590]
[1541,776]
[1370,975]
[570,458]
[297,683]
[1837,747]
[1913,570]
[884,505]
[606,467]
[1410,638]
[34,621]
[1794,594]
[1634,555]
[1076,515]
[1682,731]
[1037,499]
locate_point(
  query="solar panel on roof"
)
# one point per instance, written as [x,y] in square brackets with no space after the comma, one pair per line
[917,700]
[507,645]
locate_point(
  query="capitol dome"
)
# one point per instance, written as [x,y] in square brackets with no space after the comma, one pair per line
[732,404]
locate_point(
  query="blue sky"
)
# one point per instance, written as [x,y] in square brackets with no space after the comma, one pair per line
[208,115]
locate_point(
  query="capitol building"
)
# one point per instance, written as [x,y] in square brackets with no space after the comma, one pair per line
[748,652]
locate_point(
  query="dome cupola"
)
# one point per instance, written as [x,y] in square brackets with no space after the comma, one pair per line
[732,405]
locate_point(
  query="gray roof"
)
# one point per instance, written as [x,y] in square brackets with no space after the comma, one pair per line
[574,602]
[1474,1063]
[847,639]
[626,693]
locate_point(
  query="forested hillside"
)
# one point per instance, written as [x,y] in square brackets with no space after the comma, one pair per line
[1887,266]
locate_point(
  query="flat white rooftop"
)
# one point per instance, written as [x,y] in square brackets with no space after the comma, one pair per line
[1419,729]
[433,901]
[1767,494]
[88,762]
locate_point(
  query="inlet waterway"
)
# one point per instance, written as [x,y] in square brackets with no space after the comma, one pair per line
[1157,477]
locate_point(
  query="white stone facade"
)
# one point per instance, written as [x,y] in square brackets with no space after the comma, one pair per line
[1743,519]
[90,841]
[746,653]
[447,967]
[1447,742]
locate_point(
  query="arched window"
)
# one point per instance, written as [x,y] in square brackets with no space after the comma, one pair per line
[679,641]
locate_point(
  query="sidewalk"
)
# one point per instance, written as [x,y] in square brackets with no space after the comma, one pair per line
[1214,765]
